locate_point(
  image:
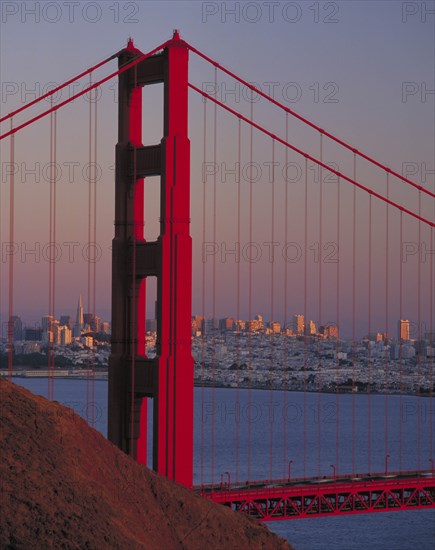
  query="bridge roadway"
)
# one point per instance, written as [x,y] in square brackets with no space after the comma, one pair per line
[327,496]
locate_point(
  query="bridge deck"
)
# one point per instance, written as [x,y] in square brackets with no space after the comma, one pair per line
[314,497]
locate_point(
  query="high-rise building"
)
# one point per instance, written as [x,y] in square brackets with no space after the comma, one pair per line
[66,320]
[239,325]
[33,334]
[255,325]
[65,336]
[227,323]
[275,327]
[17,328]
[403,329]
[311,328]
[47,323]
[299,322]
[78,326]
[329,331]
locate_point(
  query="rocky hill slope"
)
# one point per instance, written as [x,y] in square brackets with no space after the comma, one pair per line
[63,485]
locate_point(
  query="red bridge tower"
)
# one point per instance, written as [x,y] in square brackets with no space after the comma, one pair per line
[168,378]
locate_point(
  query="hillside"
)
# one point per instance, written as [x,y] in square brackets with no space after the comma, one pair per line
[63,485]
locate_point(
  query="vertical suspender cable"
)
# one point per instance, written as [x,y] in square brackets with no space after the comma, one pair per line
[50,324]
[251,152]
[2,326]
[134,308]
[272,314]
[213,307]
[353,312]
[94,282]
[432,345]
[237,416]
[203,342]
[337,307]
[305,314]
[53,260]
[11,255]
[369,353]
[400,342]
[387,374]
[88,292]
[420,345]
[51,327]
[319,345]
[285,354]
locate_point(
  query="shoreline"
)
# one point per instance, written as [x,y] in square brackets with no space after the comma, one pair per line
[102,376]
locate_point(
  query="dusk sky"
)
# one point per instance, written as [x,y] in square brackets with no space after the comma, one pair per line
[362,70]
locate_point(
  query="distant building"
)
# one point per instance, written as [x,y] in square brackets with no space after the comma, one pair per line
[329,331]
[47,322]
[311,328]
[227,323]
[66,320]
[209,325]
[32,334]
[255,325]
[239,325]
[88,341]
[150,325]
[275,327]
[299,324]
[17,328]
[105,327]
[403,329]
[91,322]
[197,321]
[78,326]
[64,336]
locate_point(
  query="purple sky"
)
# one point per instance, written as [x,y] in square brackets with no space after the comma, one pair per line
[362,70]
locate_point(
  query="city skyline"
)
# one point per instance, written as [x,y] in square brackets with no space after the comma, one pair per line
[357,99]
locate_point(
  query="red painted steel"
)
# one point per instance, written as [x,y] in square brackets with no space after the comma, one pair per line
[135,115]
[128,303]
[60,87]
[58,106]
[168,379]
[280,500]
[173,407]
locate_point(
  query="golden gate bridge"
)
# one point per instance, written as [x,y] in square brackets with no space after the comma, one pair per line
[372,202]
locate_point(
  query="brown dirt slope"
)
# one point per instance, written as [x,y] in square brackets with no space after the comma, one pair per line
[63,485]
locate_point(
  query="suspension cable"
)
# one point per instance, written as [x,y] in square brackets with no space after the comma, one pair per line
[85,91]
[313,159]
[60,87]
[308,122]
